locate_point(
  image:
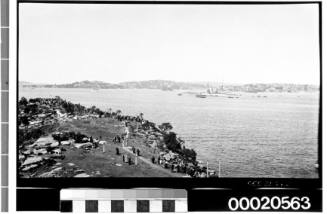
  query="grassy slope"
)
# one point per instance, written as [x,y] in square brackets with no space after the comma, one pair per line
[105,163]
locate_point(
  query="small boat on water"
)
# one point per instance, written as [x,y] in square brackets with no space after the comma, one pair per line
[201,96]
[233,97]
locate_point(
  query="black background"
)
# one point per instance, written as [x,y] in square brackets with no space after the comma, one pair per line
[42,194]
[198,200]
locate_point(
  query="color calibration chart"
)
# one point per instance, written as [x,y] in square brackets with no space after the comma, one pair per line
[4,102]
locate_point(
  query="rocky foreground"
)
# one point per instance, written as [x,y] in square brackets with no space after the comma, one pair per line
[60,139]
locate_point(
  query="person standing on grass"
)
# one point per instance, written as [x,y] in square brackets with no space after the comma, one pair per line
[159,160]
[123,139]
[129,161]
[178,168]
[118,138]
[153,159]
[126,133]
[104,147]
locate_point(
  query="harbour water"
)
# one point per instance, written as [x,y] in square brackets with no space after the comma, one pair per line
[273,136]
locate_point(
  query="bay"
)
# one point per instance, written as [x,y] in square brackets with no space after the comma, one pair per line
[275,136]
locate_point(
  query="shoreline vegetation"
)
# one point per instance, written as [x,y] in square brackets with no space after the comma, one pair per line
[57,138]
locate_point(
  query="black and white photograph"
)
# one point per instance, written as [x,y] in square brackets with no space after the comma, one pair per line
[168,90]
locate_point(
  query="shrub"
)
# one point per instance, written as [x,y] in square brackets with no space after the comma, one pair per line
[32,108]
[24,135]
[61,136]
[35,100]
[189,154]
[23,101]
[79,137]
[171,142]
[166,127]
[24,120]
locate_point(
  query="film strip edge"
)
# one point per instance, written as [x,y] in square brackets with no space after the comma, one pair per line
[4,102]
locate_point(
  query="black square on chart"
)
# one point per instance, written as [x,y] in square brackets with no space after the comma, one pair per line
[168,206]
[117,206]
[91,206]
[66,206]
[143,206]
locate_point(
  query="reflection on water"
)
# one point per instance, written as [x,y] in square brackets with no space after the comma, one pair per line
[274,136]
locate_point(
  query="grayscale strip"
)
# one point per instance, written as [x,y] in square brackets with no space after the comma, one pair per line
[138,200]
[4,102]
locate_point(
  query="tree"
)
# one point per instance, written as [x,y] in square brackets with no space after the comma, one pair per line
[101,113]
[141,116]
[25,121]
[189,154]
[31,109]
[79,137]
[69,107]
[172,142]
[23,101]
[166,127]
[118,112]
[181,141]
[35,100]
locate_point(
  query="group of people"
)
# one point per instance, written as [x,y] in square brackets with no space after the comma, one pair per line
[136,151]
[118,139]
[122,138]
[127,158]
[177,166]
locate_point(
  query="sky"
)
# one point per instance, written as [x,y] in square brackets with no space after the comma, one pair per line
[64,43]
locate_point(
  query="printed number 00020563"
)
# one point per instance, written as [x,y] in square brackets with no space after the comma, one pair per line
[267,203]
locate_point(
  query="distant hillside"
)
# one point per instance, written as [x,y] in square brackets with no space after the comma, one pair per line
[162,84]
[86,84]
[150,84]
[172,85]
[24,83]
